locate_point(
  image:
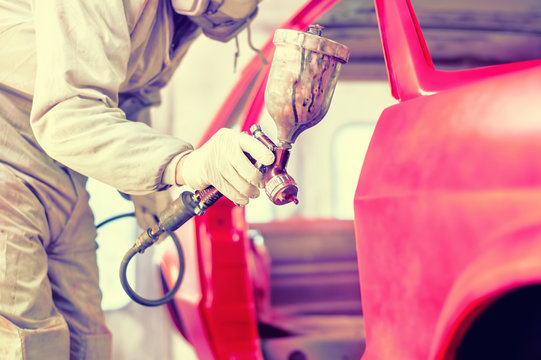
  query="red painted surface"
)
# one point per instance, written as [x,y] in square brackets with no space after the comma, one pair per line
[215,301]
[447,208]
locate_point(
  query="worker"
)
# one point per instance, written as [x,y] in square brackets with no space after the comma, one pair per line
[77,79]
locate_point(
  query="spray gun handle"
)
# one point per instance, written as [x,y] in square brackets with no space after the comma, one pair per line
[210,195]
[279,187]
[205,198]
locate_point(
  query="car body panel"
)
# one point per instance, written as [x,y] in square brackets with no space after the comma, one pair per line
[445,209]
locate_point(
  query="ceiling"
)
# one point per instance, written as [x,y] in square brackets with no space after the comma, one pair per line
[459,33]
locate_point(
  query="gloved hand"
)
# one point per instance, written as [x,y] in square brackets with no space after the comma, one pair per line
[221,162]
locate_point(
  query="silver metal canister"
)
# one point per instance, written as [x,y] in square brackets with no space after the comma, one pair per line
[302,80]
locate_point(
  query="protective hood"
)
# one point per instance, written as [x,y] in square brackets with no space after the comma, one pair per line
[220,19]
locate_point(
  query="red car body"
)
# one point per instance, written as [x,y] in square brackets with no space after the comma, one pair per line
[447,215]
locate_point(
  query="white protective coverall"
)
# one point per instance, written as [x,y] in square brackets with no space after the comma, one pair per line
[74,75]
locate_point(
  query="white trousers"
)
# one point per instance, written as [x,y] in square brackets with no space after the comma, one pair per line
[50,301]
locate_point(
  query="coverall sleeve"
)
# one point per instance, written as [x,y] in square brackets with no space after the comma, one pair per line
[83,48]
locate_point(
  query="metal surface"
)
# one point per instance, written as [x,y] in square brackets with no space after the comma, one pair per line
[302,79]
[446,208]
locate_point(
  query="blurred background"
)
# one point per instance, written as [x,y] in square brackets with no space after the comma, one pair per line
[326,161]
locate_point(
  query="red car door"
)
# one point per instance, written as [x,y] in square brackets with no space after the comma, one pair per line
[447,214]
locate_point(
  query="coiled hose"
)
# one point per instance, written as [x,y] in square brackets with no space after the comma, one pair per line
[170,294]
[131,253]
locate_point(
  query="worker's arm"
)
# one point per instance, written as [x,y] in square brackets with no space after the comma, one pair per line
[83,48]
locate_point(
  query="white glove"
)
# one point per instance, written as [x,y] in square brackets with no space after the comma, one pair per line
[221,162]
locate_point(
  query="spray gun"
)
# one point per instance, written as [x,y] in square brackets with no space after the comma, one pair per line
[299,90]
